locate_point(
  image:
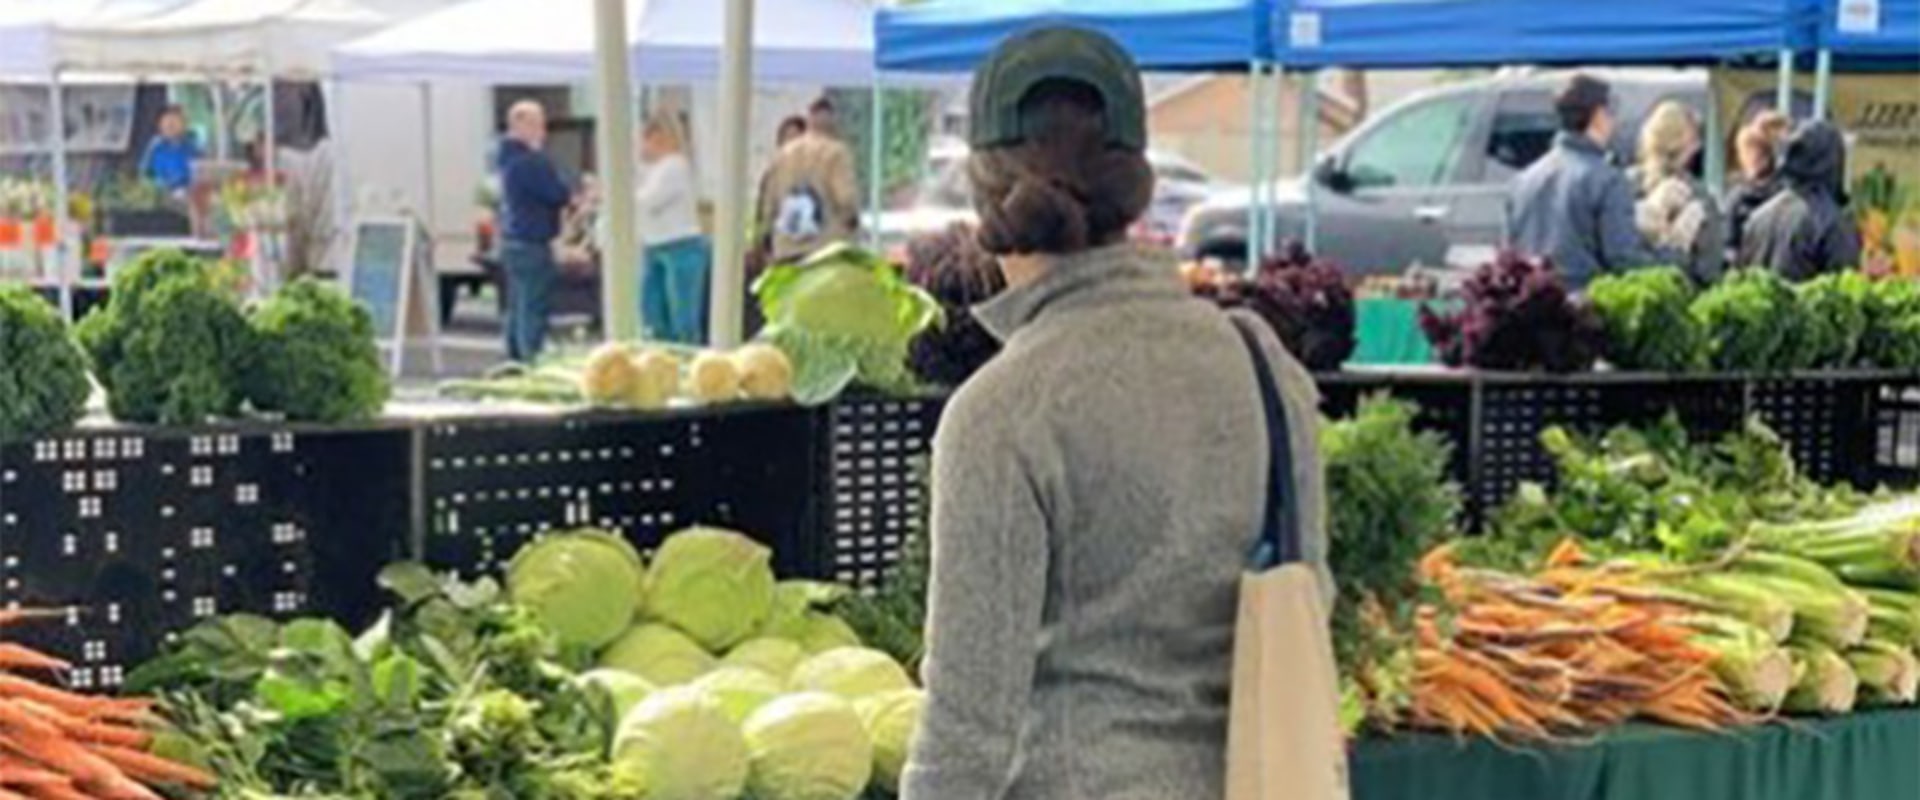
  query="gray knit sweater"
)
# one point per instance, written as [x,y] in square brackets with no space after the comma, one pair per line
[1097,488]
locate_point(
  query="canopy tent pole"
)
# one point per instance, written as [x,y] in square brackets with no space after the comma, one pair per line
[1822,83]
[429,190]
[1275,92]
[217,88]
[613,89]
[736,86]
[1256,100]
[1783,95]
[1713,139]
[876,166]
[340,177]
[57,106]
[1309,143]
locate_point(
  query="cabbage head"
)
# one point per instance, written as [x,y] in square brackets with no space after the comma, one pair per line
[891,719]
[776,657]
[798,615]
[679,745]
[843,315]
[850,672]
[808,746]
[618,689]
[715,585]
[662,655]
[584,586]
[740,691]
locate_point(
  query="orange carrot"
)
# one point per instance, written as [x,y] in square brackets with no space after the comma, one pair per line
[62,755]
[14,719]
[76,704]
[152,768]
[55,791]
[12,616]
[86,730]
[14,656]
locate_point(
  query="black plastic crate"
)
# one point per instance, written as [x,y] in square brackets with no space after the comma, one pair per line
[139,534]
[875,482]
[490,485]
[1894,414]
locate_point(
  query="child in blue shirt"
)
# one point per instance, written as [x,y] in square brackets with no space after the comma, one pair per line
[169,159]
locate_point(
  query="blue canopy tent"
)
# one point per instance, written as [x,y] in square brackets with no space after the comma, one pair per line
[1864,36]
[953,36]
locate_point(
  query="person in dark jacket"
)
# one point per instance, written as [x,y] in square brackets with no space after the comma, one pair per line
[1806,229]
[1758,149]
[1572,206]
[532,197]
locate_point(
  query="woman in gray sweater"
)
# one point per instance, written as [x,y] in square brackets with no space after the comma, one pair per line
[1098,485]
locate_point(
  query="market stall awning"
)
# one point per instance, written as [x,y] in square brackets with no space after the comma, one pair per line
[795,41]
[288,38]
[1872,34]
[1433,33]
[955,35]
[29,29]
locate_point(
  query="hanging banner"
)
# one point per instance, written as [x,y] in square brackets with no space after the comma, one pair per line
[99,119]
[1880,115]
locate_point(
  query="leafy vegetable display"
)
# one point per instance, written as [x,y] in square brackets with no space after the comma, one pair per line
[843,316]
[1753,316]
[473,691]
[1305,299]
[318,361]
[952,268]
[43,376]
[171,346]
[1517,315]
[1892,336]
[1833,314]
[1648,324]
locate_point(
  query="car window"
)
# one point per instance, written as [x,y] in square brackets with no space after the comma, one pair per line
[1523,128]
[1417,147]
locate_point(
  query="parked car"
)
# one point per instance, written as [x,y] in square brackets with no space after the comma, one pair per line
[1424,182]
[945,196]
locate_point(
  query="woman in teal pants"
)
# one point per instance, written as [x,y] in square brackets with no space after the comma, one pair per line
[678,261]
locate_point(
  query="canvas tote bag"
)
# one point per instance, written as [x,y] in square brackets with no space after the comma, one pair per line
[1283,735]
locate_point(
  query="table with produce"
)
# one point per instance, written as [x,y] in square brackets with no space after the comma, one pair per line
[1669,612]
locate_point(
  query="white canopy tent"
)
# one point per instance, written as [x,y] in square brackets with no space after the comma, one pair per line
[278,38]
[672,41]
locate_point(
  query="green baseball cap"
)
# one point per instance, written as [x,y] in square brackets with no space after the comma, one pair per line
[1026,60]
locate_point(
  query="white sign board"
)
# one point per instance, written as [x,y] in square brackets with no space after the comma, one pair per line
[391,274]
[1860,17]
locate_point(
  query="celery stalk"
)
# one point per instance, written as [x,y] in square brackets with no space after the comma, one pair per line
[1740,597]
[1831,615]
[1755,671]
[1827,683]
[1889,673]
[1893,616]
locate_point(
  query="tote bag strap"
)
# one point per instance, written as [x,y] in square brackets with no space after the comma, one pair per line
[1279,541]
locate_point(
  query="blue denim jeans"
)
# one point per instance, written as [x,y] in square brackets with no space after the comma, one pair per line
[530,277]
[674,286]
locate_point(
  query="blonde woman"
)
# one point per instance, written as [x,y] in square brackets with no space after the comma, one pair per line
[1675,212]
[675,269]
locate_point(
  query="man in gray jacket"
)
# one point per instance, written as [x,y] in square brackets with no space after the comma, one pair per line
[1572,206]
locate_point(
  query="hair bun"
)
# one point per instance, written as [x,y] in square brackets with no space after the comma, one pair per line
[1039,215]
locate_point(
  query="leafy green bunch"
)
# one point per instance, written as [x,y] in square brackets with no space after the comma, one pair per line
[318,361]
[1892,336]
[1648,322]
[1751,316]
[843,315]
[1833,319]
[43,376]
[172,345]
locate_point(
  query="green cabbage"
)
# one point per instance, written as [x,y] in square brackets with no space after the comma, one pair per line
[798,615]
[776,657]
[740,690]
[891,719]
[851,672]
[679,745]
[715,585]
[618,689]
[662,655]
[584,586]
[843,315]
[808,746]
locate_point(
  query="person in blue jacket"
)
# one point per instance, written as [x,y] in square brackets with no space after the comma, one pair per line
[168,161]
[532,196]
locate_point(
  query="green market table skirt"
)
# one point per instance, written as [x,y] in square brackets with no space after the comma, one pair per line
[1868,756]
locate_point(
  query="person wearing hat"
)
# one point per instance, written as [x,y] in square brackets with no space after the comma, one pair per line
[1098,485]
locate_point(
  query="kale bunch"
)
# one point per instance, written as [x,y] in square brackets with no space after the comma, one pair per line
[43,376]
[1833,317]
[1648,324]
[1517,315]
[1306,300]
[318,361]
[1892,336]
[951,266]
[172,345]
[1752,318]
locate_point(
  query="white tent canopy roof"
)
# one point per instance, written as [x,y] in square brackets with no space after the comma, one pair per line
[795,41]
[287,38]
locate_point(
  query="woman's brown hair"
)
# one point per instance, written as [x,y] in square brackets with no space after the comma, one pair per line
[1062,189]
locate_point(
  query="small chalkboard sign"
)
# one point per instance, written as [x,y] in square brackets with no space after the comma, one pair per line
[390,274]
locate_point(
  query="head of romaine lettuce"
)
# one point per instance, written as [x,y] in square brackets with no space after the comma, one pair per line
[584,586]
[715,585]
[679,745]
[808,746]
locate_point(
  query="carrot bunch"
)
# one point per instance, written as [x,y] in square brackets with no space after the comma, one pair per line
[1526,658]
[56,744]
